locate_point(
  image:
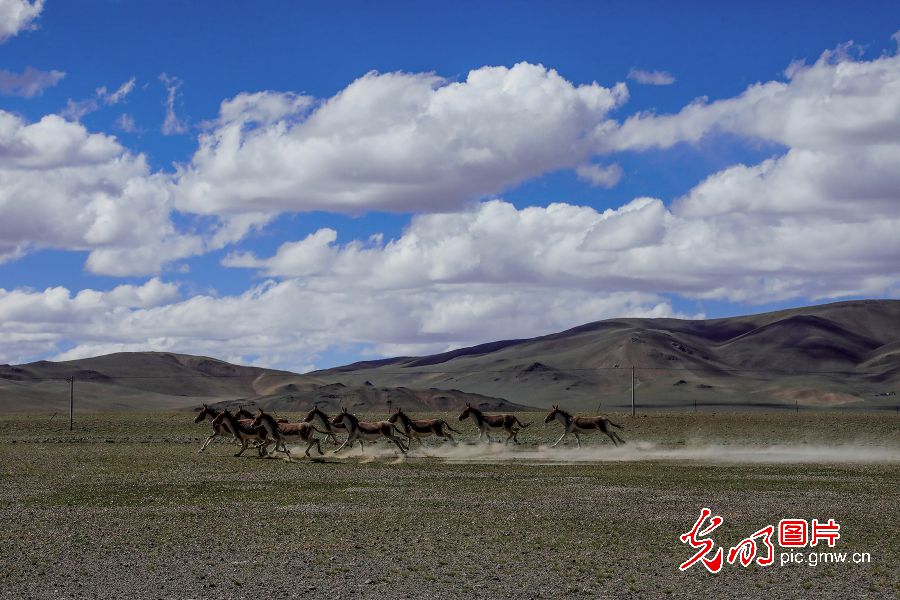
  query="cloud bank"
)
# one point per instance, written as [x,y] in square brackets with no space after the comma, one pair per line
[815,220]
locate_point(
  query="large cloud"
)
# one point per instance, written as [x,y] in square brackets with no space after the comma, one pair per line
[17,15]
[35,323]
[63,187]
[394,141]
[644,247]
[818,219]
[288,323]
[834,103]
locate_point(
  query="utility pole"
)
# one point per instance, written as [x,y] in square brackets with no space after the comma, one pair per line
[632,390]
[71,402]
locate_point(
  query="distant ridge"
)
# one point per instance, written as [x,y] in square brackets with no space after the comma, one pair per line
[162,380]
[844,354]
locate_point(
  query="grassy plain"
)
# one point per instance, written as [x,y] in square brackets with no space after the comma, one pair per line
[125,507]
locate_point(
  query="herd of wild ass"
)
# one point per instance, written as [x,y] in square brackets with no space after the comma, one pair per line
[262,429]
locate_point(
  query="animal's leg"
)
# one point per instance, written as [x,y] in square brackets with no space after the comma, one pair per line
[609,433]
[243,447]
[362,447]
[396,440]
[511,435]
[263,448]
[342,445]
[618,437]
[208,440]
[577,438]
[565,433]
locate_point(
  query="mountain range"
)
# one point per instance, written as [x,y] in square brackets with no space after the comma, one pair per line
[844,355]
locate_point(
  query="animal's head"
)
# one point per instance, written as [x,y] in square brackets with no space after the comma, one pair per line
[201,413]
[221,417]
[340,418]
[552,414]
[310,415]
[465,413]
[397,414]
[258,419]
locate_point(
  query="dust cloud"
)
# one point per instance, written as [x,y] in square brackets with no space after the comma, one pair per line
[632,452]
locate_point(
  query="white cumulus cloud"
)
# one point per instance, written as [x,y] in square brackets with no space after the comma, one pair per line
[835,102]
[63,187]
[599,175]
[394,141]
[18,15]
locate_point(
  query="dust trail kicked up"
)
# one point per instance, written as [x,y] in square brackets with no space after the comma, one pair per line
[632,452]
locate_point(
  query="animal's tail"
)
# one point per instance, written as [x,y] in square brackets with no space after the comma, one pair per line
[522,425]
[447,425]
[615,425]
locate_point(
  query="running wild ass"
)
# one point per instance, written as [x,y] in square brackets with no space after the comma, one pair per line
[576,425]
[207,412]
[243,433]
[326,423]
[487,422]
[282,431]
[418,429]
[360,431]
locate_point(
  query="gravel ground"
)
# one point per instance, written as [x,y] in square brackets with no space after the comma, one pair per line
[125,507]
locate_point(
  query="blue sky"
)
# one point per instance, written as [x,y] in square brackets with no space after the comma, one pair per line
[684,236]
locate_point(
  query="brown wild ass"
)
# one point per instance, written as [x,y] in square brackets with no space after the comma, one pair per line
[487,422]
[576,425]
[282,431]
[326,423]
[360,431]
[418,429]
[243,413]
[243,433]
[207,412]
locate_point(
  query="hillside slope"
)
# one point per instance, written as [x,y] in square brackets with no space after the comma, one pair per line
[843,354]
[161,380]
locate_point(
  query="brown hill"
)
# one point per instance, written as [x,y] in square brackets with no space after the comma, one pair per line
[368,398]
[161,380]
[844,354]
